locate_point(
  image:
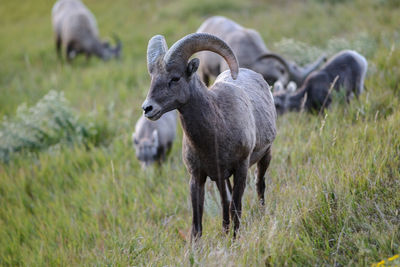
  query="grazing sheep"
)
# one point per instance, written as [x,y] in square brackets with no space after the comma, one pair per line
[75,29]
[227,128]
[153,139]
[251,53]
[347,70]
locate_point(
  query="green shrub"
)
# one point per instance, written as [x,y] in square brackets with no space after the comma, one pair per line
[303,53]
[51,121]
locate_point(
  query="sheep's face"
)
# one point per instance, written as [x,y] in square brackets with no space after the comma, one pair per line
[169,88]
[146,149]
[109,52]
[272,71]
[281,102]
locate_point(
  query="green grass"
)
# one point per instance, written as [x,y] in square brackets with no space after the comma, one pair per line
[333,188]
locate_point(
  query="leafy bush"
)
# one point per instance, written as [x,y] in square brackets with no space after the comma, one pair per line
[303,53]
[51,121]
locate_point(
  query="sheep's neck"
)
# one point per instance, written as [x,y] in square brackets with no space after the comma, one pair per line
[199,116]
[296,99]
[97,48]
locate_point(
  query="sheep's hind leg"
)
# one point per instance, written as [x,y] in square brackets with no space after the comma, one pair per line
[239,184]
[88,55]
[197,194]
[262,167]
[222,187]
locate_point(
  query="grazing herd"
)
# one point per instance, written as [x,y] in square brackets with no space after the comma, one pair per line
[251,53]
[346,70]
[228,126]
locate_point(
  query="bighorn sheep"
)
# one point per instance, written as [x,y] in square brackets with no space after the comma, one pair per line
[251,53]
[75,28]
[227,128]
[153,139]
[347,70]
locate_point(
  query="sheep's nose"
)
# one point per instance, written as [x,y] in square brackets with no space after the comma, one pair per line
[147,108]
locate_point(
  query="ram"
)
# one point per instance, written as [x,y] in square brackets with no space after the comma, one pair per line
[75,29]
[346,70]
[251,53]
[153,139]
[227,128]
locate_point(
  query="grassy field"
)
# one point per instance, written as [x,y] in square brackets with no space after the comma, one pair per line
[80,198]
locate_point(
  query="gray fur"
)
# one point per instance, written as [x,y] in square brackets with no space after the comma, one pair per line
[350,69]
[227,127]
[251,53]
[153,139]
[75,29]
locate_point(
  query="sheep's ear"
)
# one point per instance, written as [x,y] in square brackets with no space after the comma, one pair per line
[278,86]
[134,140]
[192,66]
[291,87]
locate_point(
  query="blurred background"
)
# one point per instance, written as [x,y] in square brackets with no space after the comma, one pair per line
[73,193]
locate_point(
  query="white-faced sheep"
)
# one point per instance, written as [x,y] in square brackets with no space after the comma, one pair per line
[75,29]
[346,70]
[153,139]
[227,128]
[279,87]
[251,53]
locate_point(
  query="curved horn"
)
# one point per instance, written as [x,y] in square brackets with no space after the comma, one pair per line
[277,57]
[313,66]
[118,45]
[183,49]
[156,48]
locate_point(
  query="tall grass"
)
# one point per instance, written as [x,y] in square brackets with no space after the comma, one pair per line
[332,195]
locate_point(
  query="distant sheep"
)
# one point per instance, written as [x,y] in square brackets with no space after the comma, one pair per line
[153,139]
[251,52]
[227,127]
[346,70]
[75,29]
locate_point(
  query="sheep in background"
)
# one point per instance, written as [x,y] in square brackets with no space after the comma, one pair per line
[227,127]
[153,139]
[75,29]
[346,70]
[251,53]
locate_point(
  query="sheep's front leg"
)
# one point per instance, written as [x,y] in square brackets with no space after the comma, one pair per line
[239,184]
[88,55]
[222,187]
[58,46]
[197,194]
[70,52]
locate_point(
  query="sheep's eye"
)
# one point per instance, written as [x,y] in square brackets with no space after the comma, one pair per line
[173,80]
